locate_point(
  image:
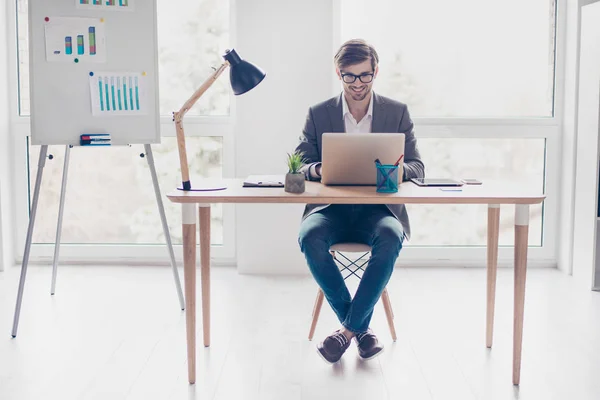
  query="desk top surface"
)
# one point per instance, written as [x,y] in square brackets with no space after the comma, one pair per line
[408,193]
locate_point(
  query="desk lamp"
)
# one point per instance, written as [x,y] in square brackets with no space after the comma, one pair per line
[244,76]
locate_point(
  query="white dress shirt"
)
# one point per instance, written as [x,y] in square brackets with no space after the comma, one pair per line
[362,126]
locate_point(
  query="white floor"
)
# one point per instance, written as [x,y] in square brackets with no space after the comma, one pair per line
[117,333]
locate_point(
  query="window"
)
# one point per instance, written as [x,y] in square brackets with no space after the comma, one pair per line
[192,35]
[520,160]
[110,197]
[478,79]
[464,58]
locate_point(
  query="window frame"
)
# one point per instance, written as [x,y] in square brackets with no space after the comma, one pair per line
[195,126]
[548,128]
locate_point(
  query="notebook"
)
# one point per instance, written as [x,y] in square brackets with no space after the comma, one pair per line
[264,181]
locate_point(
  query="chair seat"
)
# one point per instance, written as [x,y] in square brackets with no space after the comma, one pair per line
[351,247]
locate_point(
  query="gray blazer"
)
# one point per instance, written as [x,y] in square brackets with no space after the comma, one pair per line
[388,116]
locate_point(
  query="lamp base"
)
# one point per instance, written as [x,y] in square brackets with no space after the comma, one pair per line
[206,185]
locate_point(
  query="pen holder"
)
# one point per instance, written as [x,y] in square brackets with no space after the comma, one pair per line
[387,178]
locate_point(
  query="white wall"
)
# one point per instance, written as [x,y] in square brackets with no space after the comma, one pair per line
[569,137]
[6,236]
[586,182]
[267,234]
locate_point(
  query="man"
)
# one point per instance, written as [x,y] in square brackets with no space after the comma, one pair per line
[356,110]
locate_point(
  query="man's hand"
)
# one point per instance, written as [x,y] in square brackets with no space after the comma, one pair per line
[318,169]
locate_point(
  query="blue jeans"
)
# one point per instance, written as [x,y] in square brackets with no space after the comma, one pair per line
[374,225]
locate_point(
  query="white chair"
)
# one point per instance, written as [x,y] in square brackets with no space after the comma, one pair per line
[350,267]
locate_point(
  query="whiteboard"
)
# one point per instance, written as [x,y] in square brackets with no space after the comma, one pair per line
[93,69]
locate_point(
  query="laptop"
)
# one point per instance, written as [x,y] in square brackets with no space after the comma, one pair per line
[349,158]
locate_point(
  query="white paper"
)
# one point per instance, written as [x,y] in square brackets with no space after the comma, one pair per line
[118,93]
[106,5]
[68,39]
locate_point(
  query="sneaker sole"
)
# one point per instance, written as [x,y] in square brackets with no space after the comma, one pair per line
[323,357]
[373,356]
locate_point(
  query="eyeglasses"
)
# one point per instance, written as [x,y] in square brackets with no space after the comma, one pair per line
[364,78]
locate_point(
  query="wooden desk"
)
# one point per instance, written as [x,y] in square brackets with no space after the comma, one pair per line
[408,193]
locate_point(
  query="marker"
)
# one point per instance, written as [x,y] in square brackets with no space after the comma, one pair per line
[68,45]
[137,94]
[125,92]
[92,32]
[112,88]
[131,92]
[119,92]
[80,49]
[106,88]
[101,98]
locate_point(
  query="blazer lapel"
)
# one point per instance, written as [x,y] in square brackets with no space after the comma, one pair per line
[335,115]
[379,115]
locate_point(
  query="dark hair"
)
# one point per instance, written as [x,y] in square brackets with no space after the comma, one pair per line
[354,52]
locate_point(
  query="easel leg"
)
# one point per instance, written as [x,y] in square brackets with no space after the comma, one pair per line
[163,219]
[36,196]
[61,208]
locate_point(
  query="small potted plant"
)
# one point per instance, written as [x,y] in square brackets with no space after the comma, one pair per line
[294,179]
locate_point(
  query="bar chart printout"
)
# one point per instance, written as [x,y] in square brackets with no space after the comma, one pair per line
[111,5]
[70,39]
[118,93]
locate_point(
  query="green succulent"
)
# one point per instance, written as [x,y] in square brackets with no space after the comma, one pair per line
[295,161]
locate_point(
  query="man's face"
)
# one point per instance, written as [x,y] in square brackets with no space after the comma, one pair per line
[358,90]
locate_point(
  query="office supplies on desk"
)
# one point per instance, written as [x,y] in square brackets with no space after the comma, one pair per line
[389,179]
[264,181]
[470,181]
[436,182]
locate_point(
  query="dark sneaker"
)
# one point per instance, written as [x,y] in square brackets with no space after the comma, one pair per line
[333,347]
[368,345]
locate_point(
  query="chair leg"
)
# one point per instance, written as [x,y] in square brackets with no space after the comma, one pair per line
[387,305]
[316,313]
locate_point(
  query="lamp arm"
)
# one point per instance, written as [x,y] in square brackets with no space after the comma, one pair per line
[178,118]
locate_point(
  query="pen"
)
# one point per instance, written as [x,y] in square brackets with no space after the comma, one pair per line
[450,190]
[390,171]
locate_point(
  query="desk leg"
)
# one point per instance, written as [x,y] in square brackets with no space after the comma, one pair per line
[204,210]
[493,229]
[189,275]
[521,237]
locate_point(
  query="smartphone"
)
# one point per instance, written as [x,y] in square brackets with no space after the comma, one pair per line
[471,181]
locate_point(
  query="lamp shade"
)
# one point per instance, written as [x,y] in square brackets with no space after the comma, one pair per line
[243,75]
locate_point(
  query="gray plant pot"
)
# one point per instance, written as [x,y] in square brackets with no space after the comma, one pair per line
[294,183]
